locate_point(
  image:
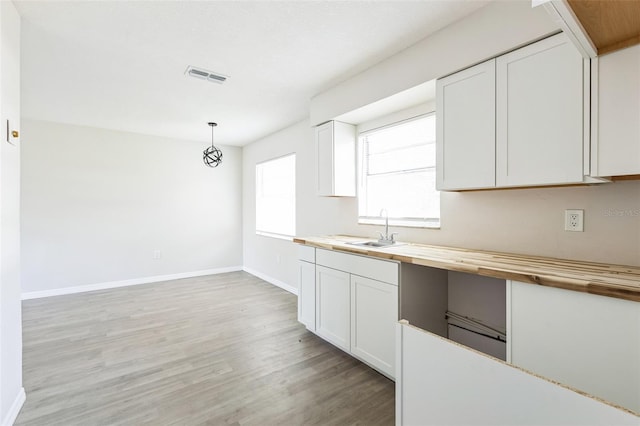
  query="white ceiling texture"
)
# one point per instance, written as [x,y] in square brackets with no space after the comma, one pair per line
[121,64]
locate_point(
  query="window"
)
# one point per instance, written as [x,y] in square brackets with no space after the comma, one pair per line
[276,197]
[397,172]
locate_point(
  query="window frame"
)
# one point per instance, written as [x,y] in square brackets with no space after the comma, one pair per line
[409,222]
[267,233]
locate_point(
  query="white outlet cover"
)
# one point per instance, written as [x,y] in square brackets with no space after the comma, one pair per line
[574,220]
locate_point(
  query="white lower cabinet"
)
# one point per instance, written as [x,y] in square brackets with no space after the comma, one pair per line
[586,341]
[439,382]
[307,294]
[572,357]
[351,301]
[307,286]
[332,306]
[374,312]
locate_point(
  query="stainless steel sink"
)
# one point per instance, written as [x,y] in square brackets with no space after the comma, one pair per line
[374,244]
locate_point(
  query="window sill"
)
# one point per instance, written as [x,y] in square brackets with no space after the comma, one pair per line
[401,223]
[272,235]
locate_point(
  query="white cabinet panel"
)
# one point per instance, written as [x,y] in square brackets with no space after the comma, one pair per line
[333,306]
[307,294]
[586,341]
[324,153]
[618,144]
[306,253]
[540,113]
[374,313]
[465,129]
[336,159]
[439,382]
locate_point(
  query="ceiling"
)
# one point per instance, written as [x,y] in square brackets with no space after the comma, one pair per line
[121,64]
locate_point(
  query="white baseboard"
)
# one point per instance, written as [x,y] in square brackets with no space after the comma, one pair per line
[270,280]
[125,283]
[13,412]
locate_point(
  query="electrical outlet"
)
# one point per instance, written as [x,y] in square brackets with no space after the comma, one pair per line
[574,220]
[157,254]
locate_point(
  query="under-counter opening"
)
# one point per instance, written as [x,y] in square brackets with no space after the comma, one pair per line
[466,308]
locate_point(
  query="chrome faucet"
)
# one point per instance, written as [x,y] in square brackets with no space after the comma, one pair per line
[386,238]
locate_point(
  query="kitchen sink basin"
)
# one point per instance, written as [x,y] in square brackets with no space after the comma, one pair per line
[374,244]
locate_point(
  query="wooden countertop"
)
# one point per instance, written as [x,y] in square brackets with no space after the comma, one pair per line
[622,282]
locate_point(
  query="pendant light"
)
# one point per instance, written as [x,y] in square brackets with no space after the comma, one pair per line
[212,156]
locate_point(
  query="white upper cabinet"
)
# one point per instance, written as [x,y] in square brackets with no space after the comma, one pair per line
[540,114]
[617,150]
[465,129]
[336,159]
[517,120]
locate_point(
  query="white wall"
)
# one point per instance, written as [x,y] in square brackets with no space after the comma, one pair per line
[11,391]
[97,203]
[492,30]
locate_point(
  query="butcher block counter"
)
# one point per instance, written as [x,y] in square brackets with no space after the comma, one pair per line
[618,281]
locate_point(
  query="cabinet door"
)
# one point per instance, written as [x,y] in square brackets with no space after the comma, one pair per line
[465,129]
[540,113]
[307,294]
[374,313]
[439,382]
[617,150]
[586,341]
[332,306]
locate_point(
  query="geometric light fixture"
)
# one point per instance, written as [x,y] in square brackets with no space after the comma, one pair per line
[212,156]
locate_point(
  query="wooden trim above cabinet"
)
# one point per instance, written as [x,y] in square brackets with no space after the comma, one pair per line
[611,24]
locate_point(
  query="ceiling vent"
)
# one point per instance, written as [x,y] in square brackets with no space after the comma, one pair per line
[203,74]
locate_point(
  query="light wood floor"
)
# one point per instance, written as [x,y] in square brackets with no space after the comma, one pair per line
[218,350]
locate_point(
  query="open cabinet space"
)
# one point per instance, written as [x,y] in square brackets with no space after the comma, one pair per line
[465,308]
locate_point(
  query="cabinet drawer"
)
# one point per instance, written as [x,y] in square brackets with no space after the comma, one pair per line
[381,270]
[306,253]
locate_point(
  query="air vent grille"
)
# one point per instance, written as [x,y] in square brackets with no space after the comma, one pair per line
[205,75]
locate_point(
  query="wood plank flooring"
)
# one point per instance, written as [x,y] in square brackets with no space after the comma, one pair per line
[218,350]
